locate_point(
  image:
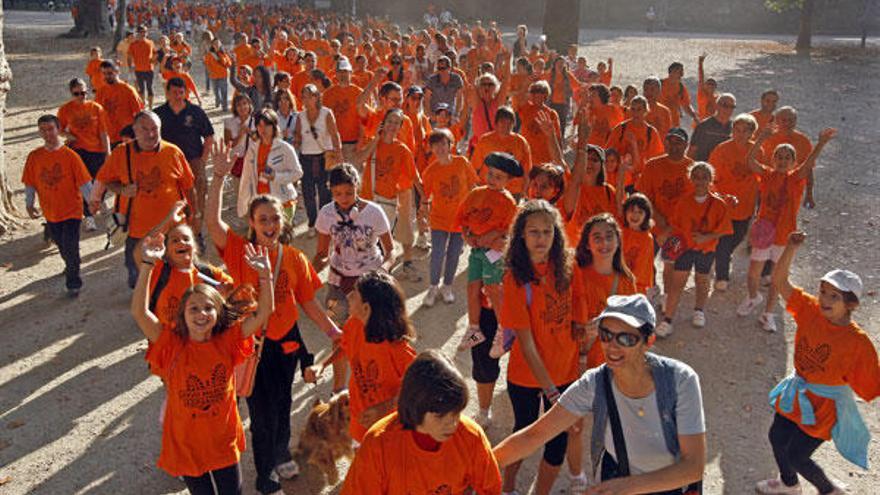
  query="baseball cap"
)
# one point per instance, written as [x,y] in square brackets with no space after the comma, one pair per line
[679,133]
[343,64]
[598,150]
[504,162]
[414,90]
[441,107]
[633,310]
[844,280]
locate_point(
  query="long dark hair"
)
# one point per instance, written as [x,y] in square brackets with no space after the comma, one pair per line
[584,256]
[227,314]
[266,90]
[388,321]
[517,257]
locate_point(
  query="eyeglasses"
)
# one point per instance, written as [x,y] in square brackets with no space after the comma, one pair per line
[624,339]
[78,93]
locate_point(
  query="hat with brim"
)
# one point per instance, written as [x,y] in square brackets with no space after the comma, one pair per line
[845,281]
[634,310]
[504,162]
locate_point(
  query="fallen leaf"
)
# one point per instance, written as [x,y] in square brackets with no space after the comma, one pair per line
[14,424]
[5,479]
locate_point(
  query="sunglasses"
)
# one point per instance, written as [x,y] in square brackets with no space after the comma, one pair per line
[624,339]
[78,93]
[314,132]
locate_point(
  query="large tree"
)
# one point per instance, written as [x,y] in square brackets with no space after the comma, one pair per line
[561,23]
[91,19]
[7,207]
[805,33]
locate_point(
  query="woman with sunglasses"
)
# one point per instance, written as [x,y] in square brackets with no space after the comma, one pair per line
[316,138]
[649,433]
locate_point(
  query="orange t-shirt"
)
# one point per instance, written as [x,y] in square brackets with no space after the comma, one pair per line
[660,117]
[638,252]
[596,290]
[603,118]
[762,118]
[735,177]
[93,70]
[362,78]
[530,130]
[218,65]
[297,83]
[549,317]
[343,102]
[800,141]
[168,302]
[591,201]
[391,463]
[674,96]
[187,80]
[87,121]
[421,130]
[448,185]
[122,103]
[514,144]
[706,103]
[829,354]
[664,182]
[142,53]
[485,210]
[649,142]
[297,281]
[781,201]
[712,216]
[262,157]
[376,371]
[406,135]
[57,177]
[395,171]
[245,55]
[162,178]
[201,430]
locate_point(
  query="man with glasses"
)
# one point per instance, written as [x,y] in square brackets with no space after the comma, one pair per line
[444,86]
[714,130]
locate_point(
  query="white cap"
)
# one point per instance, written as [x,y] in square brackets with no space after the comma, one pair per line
[844,280]
[343,64]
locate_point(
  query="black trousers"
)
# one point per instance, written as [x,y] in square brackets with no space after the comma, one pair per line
[93,161]
[726,246]
[224,481]
[526,403]
[269,407]
[65,234]
[314,182]
[792,449]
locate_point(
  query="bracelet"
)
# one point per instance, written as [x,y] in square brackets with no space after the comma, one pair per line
[552,395]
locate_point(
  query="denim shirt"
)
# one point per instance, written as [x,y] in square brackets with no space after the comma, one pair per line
[849,433]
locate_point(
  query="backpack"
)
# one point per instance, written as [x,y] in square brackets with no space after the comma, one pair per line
[204,271]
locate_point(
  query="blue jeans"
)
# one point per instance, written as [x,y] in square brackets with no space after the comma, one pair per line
[130,266]
[221,90]
[314,182]
[445,245]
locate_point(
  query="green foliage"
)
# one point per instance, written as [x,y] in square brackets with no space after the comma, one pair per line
[783,5]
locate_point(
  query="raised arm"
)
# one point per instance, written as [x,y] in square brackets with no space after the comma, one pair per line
[258,259]
[752,160]
[217,228]
[234,80]
[153,248]
[805,168]
[174,217]
[782,268]
[364,98]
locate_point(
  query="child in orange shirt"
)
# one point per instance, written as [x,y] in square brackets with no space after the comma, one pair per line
[780,189]
[833,357]
[699,220]
[202,434]
[547,182]
[638,242]
[589,193]
[58,176]
[446,181]
[426,446]
[376,341]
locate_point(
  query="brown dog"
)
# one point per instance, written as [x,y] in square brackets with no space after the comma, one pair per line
[325,437]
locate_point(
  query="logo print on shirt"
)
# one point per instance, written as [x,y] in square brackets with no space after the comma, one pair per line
[441,490]
[202,395]
[282,287]
[672,189]
[450,190]
[556,310]
[81,121]
[171,306]
[811,359]
[367,379]
[478,215]
[51,176]
[149,183]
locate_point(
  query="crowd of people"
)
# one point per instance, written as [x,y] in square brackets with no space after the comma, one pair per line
[568,191]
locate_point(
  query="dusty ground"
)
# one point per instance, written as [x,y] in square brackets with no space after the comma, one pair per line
[78,410]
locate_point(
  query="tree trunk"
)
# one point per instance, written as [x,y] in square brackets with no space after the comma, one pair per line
[91,20]
[7,207]
[121,20]
[561,23]
[805,35]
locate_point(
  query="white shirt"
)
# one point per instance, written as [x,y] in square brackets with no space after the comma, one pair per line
[234,126]
[354,247]
[310,145]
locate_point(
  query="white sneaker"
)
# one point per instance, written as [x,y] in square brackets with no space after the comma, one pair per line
[90,224]
[431,296]
[699,318]
[775,486]
[484,418]
[664,329]
[287,470]
[749,305]
[446,292]
[767,322]
[422,242]
[578,484]
[721,285]
[472,337]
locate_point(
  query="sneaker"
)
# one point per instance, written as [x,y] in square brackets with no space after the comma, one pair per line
[472,337]
[410,272]
[721,285]
[767,322]
[664,329]
[89,223]
[497,349]
[446,292]
[431,296]
[287,470]
[749,305]
[699,318]
[766,280]
[484,418]
[776,486]
[578,484]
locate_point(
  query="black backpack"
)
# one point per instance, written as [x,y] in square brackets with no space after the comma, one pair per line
[165,276]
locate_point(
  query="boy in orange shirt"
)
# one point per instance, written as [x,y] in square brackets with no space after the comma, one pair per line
[647,140]
[59,177]
[142,54]
[674,94]
[504,139]
[93,68]
[539,93]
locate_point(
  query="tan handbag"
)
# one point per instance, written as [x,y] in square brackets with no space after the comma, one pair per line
[246,372]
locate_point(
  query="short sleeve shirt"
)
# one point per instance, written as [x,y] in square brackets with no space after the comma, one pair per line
[444,93]
[355,243]
[186,129]
[709,134]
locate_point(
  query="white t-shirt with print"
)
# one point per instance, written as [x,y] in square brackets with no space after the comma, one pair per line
[354,246]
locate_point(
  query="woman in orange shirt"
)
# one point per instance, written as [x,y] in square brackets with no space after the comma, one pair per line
[376,341]
[541,304]
[638,242]
[426,446]
[202,435]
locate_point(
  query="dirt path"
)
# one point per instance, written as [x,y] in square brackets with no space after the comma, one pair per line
[79,411]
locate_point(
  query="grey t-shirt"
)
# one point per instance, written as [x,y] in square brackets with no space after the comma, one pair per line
[444,93]
[640,418]
[709,134]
